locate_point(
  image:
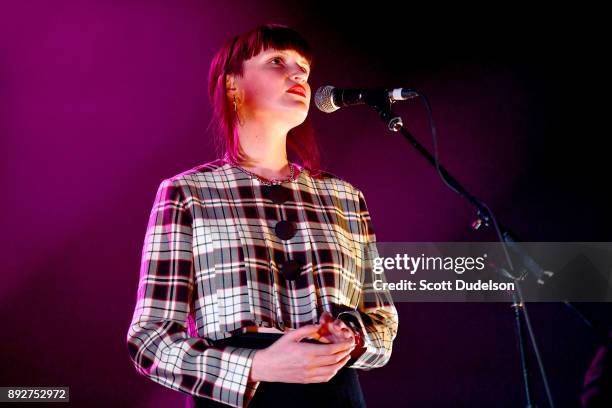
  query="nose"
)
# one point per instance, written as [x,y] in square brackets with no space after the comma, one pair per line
[299,76]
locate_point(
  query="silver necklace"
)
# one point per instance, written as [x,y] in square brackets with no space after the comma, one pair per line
[263,181]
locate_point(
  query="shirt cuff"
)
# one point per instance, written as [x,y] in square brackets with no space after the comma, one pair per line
[239,363]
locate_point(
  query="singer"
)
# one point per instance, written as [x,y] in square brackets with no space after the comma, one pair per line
[256,274]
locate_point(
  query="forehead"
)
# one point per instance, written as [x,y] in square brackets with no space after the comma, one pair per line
[286,53]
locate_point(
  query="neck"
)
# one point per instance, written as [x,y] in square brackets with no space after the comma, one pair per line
[265,146]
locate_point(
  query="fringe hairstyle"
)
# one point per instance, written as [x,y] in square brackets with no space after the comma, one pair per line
[229,60]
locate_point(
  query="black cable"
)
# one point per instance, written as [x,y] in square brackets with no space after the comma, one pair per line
[504,246]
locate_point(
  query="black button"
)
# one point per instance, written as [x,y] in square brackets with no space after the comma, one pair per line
[284,229]
[277,193]
[291,269]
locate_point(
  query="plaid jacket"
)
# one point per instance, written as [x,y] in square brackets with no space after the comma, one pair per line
[210,267]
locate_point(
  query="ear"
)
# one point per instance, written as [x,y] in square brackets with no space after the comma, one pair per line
[230,83]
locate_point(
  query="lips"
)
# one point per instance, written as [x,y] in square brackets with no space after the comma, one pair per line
[298,90]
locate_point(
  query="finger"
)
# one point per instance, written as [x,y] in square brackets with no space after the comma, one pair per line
[341,324]
[332,338]
[337,338]
[340,333]
[332,358]
[316,336]
[327,338]
[322,373]
[301,333]
[326,349]
[333,332]
[324,339]
[324,330]
[326,317]
[348,333]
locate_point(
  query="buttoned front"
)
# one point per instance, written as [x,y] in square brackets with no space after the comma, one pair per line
[223,252]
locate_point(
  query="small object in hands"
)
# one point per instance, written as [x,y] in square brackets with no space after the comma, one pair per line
[333,330]
[326,318]
[359,343]
[315,338]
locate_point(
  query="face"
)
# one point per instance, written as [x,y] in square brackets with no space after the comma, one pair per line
[262,90]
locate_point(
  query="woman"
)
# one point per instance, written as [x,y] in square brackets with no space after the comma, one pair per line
[255,283]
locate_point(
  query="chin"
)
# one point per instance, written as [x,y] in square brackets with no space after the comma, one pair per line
[296,117]
[301,119]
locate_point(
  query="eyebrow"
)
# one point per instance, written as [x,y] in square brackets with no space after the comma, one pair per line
[285,53]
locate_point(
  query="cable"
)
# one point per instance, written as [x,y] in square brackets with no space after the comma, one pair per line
[502,241]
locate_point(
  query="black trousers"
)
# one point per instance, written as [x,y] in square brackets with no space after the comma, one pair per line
[341,391]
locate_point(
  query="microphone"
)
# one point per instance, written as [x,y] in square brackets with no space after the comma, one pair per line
[329,99]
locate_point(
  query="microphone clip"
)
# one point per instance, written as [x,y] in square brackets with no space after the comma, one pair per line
[383,107]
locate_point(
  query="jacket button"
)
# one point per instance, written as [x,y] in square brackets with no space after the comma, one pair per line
[284,229]
[277,193]
[291,269]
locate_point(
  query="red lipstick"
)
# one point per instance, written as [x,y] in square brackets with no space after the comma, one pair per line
[297,89]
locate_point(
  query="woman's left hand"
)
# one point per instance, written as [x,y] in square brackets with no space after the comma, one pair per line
[334,330]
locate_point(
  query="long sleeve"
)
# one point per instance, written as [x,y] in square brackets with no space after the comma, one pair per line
[158,341]
[376,317]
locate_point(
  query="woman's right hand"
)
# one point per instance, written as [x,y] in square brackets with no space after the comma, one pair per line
[290,361]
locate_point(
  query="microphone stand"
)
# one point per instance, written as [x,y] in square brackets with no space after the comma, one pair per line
[382,105]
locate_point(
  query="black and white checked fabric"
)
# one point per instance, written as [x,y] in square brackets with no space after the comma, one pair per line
[211,266]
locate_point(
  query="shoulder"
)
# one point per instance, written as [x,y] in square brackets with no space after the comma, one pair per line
[329,180]
[209,169]
[186,182]
[202,174]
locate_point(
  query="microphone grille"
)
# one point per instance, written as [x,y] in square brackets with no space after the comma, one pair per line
[324,99]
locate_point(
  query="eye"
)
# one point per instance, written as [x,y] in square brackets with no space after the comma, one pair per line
[282,61]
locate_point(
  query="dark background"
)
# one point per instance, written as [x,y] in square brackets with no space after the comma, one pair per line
[101,100]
